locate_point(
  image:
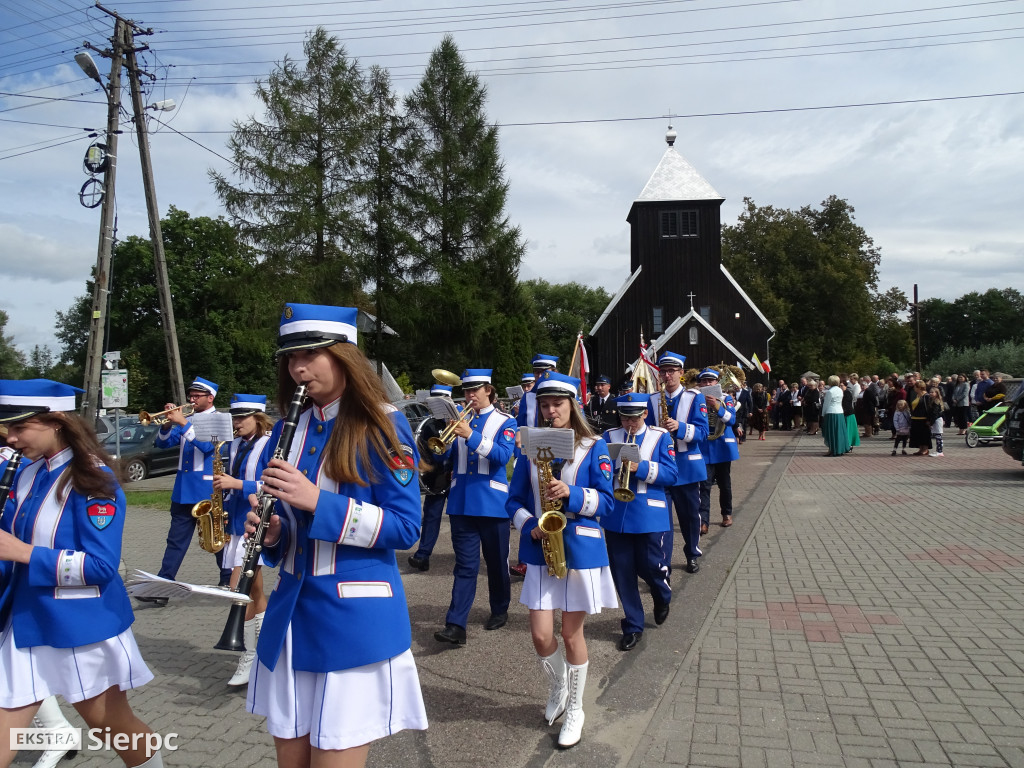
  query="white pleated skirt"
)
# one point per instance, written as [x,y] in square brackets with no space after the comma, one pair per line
[588,590]
[234,551]
[341,709]
[29,675]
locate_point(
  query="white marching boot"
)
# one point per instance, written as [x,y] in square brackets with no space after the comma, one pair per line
[50,716]
[558,691]
[250,635]
[156,761]
[572,726]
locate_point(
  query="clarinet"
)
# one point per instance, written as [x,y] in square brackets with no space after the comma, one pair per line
[232,637]
[7,481]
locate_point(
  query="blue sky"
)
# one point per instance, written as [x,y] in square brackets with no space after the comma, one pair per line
[761,94]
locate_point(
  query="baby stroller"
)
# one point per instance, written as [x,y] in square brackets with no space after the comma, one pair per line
[988,427]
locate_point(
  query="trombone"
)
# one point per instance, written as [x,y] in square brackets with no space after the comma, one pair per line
[146,418]
[622,491]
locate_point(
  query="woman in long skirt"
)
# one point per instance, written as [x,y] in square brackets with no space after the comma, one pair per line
[920,423]
[582,488]
[833,421]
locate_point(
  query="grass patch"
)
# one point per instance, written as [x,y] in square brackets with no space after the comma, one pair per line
[152,499]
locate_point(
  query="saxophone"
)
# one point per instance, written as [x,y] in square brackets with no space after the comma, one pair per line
[552,521]
[663,402]
[209,513]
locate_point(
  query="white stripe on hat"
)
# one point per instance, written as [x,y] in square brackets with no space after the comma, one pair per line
[63,403]
[322,326]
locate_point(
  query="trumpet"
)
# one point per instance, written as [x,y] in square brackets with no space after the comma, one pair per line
[622,491]
[440,444]
[146,418]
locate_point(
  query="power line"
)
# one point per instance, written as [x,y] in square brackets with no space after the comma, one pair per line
[40,149]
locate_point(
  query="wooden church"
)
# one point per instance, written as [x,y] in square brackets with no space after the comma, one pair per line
[678,293]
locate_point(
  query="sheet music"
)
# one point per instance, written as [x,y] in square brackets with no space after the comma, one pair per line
[422,395]
[514,393]
[561,442]
[144,584]
[442,408]
[715,391]
[212,424]
[627,451]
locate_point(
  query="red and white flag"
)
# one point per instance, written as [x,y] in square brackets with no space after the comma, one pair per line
[580,367]
[646,374]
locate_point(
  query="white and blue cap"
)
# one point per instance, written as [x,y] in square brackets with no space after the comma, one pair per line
[558,384]
[475,377]
[709,373]
[440,390]
[309,326]
[20,399]
[602,379]
[671,359]
[633,404]
[247,405]
[526,378]
[203,385]
[544,361]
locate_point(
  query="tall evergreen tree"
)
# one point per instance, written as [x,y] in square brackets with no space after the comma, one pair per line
[12,359]
[466,307]
[298,172]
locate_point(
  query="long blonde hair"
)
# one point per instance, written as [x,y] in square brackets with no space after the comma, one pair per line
[362,423]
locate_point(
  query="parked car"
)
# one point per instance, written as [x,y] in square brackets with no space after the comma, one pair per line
[1013,435]
[139,457]
[105,424]
[414,411]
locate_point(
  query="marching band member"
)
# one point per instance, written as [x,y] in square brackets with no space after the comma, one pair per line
[436,480]
[718,454]
[66,626]
[252,427]
[527,416]
[192,483]
[584,484]
[335,670]
[687,422]
[476,507]
[526,382]
[639,531]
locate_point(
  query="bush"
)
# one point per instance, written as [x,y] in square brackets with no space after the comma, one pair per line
[1007,357]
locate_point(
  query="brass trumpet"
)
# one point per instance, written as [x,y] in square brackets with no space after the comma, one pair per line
[622,491]
[146,418]
[439,445]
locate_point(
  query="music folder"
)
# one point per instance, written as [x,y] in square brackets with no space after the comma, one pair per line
[624,451]
[561,442]
[442,408]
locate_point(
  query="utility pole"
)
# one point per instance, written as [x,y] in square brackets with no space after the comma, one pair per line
[917,324]
[163,283]
[101,284]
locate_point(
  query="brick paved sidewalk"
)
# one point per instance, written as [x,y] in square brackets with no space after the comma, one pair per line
[874,619]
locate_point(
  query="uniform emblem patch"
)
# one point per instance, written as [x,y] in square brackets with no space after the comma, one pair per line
[704,408]
[402,467]
[605,464]
[101,514]
[509,433]
[671,451]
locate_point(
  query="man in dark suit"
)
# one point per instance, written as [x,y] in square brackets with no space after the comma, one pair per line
[601,411]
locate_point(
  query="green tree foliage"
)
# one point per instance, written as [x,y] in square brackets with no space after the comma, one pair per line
[972,321]
[813,272]
[12,360]
[894,341]
[463,305]
[1005,356]
[561,312]
[298,169]
[218,307]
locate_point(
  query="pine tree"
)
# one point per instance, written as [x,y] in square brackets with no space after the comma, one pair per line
[466,306]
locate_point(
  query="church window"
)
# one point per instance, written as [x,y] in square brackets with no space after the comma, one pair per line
[657,325]
[705,313]
[693,334]
[679,224]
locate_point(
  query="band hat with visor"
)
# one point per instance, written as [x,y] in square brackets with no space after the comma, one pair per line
[311,326]
[544,361]
[203,385]
[633,404]
[441,390]
[709,373]
[20,399]
[528,378]
[247,405]
[557,384]
[473,378]
[671,360]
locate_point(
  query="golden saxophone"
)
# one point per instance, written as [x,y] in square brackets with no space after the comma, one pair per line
[552,521]
[663,403]
[622,491]
[210,516]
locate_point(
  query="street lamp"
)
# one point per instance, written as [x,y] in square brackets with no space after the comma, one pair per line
[84,60]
